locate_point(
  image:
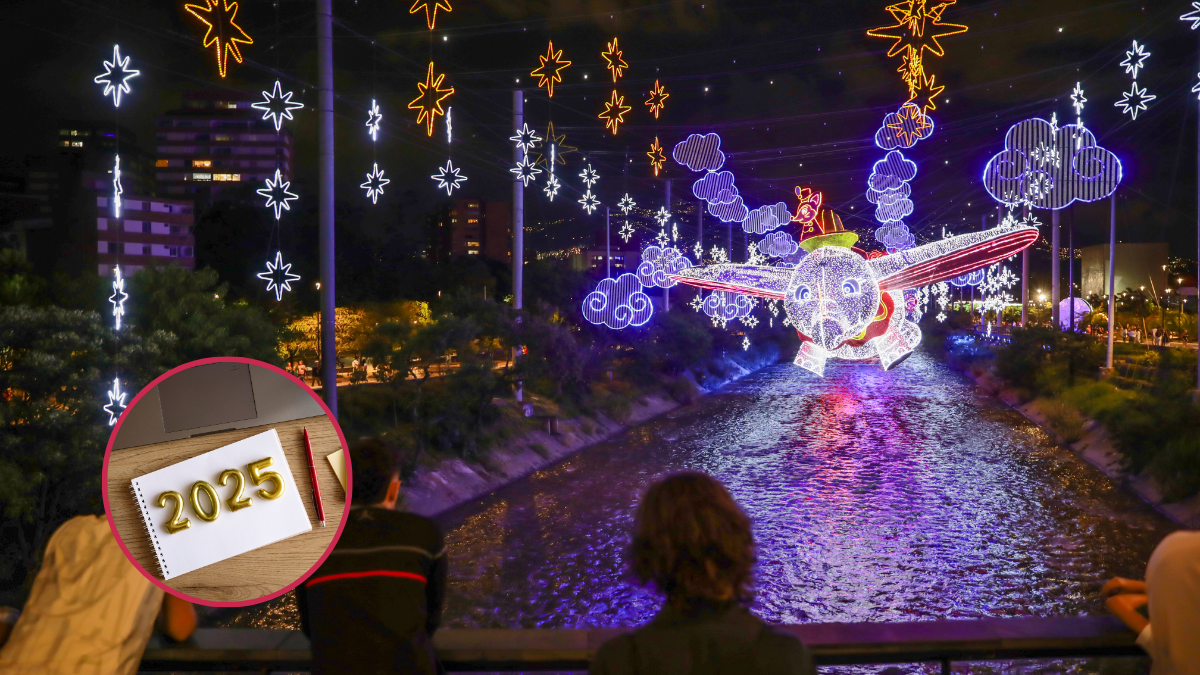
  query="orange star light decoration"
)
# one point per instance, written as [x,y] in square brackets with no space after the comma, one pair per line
[218,16]
[550,69]
[909,134]
[430,12]
[916,31]
[658,99]
[657,158]
[614,112]
[616,64]
[429,101]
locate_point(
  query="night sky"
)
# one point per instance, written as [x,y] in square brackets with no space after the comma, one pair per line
[796,91]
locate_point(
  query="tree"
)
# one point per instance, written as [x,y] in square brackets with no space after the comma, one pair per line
[56,366]
[194,307]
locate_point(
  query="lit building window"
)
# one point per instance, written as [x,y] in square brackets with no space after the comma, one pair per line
[227,176]
[473,243]
[202,176]
[221,137]
[65,144]
[202,163]
[160,163]
[472,220]
[232,105]
[76,144]
[472,252]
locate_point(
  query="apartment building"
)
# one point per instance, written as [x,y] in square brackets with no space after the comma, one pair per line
[472,227]
[150,231]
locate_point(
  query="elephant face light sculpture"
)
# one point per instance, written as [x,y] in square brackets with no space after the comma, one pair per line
[845,306]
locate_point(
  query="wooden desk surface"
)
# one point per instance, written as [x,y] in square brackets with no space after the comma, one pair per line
[256,573]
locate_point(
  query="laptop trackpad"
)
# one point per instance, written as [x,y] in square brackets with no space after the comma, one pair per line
[216,393]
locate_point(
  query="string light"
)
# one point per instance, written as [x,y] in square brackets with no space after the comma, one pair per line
[614,112]
[618,303]
[661,238]
[550,69]
[626,204]
[277,105]
[118,297]
[589,201]
[1135,58]
[616,64]
[525,171]
[626,232]
[589,176]
[1193,16]
[662,216]
[525,138]
[658,99]
[117,189]
[430,12]
[116,76]
[1134,100]
[429,100]
[918,25]
[658,264]
[278,276]
[657,158]
[277,194]
[375,118]
[448,177]
[375,183]
[1022,173]
[116,402]
[221,15]
[552,186]
[1077,99]
[449,125]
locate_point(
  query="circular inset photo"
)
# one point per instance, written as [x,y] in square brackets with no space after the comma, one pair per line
[226,481]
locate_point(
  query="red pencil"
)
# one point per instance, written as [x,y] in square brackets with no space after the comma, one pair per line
[312,474]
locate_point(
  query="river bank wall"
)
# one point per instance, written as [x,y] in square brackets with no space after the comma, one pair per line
[452,482]
[1096,448]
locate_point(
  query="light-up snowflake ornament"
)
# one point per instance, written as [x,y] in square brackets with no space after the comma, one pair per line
[718,255]
[589,202]
[448,177]
[277,105]
[1045,154]
[116,76]
[278,276]
[745,343]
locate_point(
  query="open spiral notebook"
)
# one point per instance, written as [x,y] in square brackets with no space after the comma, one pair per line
[264,522]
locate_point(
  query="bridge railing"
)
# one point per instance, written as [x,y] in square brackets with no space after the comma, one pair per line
[541,650]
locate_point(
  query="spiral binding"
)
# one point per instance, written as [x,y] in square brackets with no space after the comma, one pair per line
[158,554]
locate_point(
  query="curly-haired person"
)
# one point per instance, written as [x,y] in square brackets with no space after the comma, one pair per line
[693,543]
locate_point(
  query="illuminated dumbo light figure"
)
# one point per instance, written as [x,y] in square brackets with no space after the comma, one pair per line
[845,306]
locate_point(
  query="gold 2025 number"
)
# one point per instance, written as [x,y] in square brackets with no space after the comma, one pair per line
[236,501]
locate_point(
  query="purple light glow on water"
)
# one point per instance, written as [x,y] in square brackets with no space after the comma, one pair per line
[875,497]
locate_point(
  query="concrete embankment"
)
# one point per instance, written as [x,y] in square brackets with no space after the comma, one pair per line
[452,482]
[1095,447]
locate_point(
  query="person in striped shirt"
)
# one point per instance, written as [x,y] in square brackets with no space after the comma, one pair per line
[374,604]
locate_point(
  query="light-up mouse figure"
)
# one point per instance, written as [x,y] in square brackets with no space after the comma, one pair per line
[847,306]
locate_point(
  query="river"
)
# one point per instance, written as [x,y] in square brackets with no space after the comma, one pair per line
[875,496]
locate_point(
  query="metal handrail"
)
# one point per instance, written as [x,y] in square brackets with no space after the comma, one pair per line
[534,650]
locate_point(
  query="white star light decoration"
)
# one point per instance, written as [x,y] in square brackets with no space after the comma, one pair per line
[662,238]
[626,204]
[745,343]
[1046,154]
[552,185]
[277,194]
[278,276]
[117,189]
[525,171]
[116,402]
[674,231]
[375,183]
[526,139]
[374,118]
[698,249]
[1193,16]
[277,105]
[1134,101]
[448,177]
[662,216]
[1077,99]
[589,201]
[626,232]
[1134,59]
[118,297]
[116,76]
[589,176]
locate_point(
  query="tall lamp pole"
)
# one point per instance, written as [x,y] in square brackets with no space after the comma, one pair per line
[1112,273]
[325,200]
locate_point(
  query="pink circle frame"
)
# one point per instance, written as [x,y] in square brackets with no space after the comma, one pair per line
[108,454]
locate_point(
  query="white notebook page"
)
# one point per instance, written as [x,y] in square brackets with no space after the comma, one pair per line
[233,532]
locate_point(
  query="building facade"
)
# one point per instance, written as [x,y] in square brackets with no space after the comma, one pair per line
[217,145]
[152,231]
[472,227]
